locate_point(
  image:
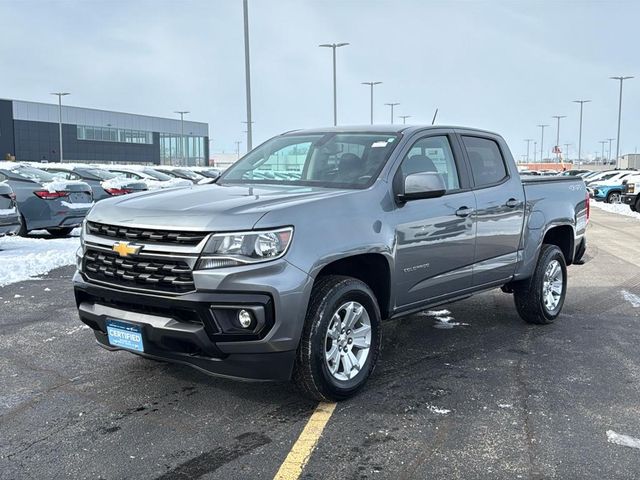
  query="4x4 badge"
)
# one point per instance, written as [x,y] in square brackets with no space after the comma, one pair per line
[124,249]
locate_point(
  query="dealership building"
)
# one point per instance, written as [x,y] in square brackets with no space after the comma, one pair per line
[29,132]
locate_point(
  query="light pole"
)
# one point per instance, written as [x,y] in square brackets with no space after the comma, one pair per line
[528,140]
[621,80]
[333,47]
[609,155]
[566,146]
[581,102]
[535,150]
[542,142]
[247,70]
[558,117]
[60,95]
[238,142]
[182,113]
[392,105]
[602,142]
[404,118]
[371,84]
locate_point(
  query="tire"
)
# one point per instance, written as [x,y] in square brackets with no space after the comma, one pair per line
[60,232]
[613,197]
[637,207]
[529,296]
[23,227]
[312,370]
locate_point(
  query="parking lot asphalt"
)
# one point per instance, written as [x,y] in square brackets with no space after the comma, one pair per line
[491,397]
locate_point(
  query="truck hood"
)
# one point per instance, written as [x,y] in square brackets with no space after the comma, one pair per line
[206,207]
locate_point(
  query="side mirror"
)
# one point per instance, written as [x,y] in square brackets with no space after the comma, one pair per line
[422,185]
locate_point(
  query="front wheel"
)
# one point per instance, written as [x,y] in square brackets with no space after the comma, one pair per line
[540,299]
[614,197]
[340,341]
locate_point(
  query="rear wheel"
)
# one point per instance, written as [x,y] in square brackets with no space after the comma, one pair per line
[340,341]
[60,232]
[637,208]
[540,299]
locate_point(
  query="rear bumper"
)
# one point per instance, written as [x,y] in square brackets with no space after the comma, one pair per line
[9,224]
[194,329]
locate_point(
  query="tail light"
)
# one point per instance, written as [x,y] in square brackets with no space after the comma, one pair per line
[588,206]
[47,195]
[118,191]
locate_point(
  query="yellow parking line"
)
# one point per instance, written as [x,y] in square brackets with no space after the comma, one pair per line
[299,455]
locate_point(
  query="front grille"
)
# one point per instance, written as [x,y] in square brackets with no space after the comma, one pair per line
[165,275]
[144,234]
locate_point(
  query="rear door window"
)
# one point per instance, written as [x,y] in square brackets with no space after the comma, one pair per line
[485,159]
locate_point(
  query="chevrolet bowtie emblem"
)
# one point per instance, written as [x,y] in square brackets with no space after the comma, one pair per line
[124,249]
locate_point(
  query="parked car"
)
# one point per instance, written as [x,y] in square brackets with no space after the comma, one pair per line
[574,172]
[210,172]
[44,201]
[271,277]
[104,184]
[631,192]
[152,178]
[186,174]
[9,216]
[609,188]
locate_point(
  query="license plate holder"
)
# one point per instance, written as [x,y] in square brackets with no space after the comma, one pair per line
[125,335]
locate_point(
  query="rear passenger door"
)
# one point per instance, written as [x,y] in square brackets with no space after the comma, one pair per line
[500,206]
[434,236]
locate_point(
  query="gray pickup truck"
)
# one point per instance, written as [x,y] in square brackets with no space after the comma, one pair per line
[286,266]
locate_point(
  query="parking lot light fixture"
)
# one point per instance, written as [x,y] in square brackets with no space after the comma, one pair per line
[392,105]
[558,117]
[542,142]
[371,84]
[621,80]
[609,151]
[404,118]
[581,102]
[60,95]
[334,46]
[528,140]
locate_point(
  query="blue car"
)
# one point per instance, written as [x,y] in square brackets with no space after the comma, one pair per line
[609,190]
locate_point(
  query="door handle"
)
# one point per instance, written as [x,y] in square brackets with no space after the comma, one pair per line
[512,203]
[464,211]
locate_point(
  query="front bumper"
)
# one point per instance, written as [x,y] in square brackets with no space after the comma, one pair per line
[629,199]
[195,329]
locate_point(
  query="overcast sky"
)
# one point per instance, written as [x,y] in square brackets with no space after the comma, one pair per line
[501,65]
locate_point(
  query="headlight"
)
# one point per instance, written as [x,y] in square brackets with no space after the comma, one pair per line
[631,188]
[231,249]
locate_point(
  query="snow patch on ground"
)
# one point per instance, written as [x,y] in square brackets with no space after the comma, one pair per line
[443,319]
[624,440]
[438,410]
[505,405]
[619,208]
[22,258]
[435,313]
[632,298]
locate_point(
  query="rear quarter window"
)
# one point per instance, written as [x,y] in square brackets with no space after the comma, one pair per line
[486,161]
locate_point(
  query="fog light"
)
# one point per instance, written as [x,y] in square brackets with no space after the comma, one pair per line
[245,318]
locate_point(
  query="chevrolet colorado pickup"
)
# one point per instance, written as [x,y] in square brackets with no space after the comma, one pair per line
[286,266]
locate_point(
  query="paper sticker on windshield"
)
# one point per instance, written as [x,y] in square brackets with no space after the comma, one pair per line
[379,144]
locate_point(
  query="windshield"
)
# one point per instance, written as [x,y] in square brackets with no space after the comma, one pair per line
[345,160]
[34,174]
[101,174]
[189,174]
[157,175]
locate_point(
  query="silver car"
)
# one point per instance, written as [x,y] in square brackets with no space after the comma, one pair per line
[44,201]
[9,216]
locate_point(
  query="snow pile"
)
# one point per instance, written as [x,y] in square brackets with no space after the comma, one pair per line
[619,208]
[442,319]
[624,440]
[62,185]
[24,257]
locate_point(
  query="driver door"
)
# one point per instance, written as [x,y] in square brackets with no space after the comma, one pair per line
[435,237]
